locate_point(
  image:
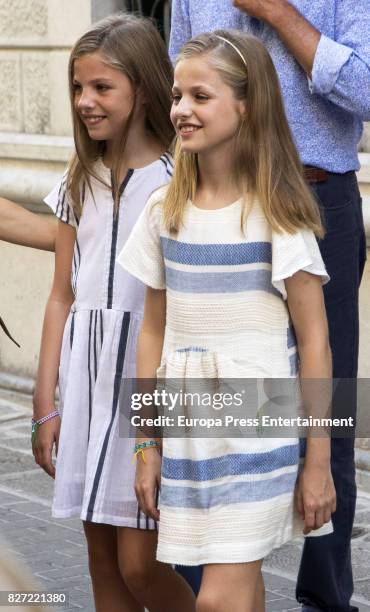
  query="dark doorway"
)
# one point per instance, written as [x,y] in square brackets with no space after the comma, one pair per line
[160,10]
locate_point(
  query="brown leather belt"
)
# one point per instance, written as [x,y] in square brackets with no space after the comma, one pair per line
[315,175]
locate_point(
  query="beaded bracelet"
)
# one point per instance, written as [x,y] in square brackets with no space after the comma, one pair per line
[35,424]
[143,446]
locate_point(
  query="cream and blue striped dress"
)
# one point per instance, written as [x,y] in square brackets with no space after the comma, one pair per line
[223,500]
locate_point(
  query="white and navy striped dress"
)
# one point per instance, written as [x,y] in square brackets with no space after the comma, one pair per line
[224,500]
[94,472]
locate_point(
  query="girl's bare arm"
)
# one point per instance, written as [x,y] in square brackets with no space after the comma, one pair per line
[20,226]
[149,353]
[56,313]
[151,335]
[316,493]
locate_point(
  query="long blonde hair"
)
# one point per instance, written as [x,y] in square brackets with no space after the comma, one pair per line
[266,161]
[132,45]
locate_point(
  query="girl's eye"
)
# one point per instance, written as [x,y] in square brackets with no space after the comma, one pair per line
[102,87]
[176,98]
[76,87]
[201,97]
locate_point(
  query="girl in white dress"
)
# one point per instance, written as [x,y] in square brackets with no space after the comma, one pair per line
[231,263]
[120,82]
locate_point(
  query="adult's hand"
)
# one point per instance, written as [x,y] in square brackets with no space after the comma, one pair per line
[261,9]
[298,35]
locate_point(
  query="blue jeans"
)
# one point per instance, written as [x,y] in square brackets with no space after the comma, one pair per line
[193,575]
[325,579]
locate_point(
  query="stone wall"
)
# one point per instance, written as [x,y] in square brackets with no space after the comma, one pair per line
[36,37]
[35,127]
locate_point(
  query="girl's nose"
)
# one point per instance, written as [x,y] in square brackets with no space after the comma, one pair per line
[85,101]
[183,108]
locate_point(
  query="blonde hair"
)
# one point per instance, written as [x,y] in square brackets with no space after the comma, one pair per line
[132,45]
[266,161]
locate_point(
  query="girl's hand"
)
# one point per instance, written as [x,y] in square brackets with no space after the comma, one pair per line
[47,435]
[147,481]
[315,497]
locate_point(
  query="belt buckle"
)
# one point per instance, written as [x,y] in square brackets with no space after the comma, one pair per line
[315,175]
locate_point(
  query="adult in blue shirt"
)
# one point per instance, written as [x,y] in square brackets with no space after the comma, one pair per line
[321,51]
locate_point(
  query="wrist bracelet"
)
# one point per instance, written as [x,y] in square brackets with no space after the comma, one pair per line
[143,446]
[35,424]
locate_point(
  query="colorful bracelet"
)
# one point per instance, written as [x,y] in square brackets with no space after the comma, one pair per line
[143,446]
[35,424]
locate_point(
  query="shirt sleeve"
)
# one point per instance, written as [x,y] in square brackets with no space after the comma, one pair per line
[292,253]
[341,68]
[60,204]
[180,27]
[142,254]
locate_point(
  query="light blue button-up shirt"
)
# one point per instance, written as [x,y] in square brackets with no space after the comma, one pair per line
[326,112]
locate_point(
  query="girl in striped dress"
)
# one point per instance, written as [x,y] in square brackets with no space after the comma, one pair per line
[120,80]
[231,263]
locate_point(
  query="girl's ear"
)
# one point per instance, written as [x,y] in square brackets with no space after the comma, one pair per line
[242,110]
[140,97]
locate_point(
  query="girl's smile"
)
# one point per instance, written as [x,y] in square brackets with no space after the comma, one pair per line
[103,97]
[92,120]
[204,112]
[187,128]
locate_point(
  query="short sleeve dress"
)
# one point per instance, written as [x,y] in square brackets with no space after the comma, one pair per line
[94,471]
[224,500]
